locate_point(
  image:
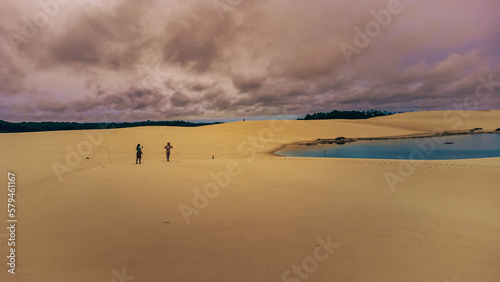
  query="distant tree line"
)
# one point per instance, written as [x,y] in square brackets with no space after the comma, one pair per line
[347,115]
[51,126]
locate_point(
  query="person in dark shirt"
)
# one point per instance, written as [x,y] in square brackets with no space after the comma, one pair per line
[139,153]
[168,147]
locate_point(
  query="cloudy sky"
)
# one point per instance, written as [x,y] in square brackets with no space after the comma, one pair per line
[221,59]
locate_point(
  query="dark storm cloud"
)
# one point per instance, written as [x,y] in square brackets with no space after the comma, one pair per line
[151,59]
[130,100]
[11,75]
[180,100]
[196,39]
[311,61]
[197,87]
[247,84]
[107,38]
[216,99]
[442,87]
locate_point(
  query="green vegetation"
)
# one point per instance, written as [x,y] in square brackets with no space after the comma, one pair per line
[51,126]
[347,115]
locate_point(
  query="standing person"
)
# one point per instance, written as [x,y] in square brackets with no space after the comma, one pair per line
[168,147]
[139,153]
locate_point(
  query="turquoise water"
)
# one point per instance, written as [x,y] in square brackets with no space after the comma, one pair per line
[463,147]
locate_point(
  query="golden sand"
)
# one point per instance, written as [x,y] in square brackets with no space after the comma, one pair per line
[249,215]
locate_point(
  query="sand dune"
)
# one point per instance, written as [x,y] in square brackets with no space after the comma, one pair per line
[106,218]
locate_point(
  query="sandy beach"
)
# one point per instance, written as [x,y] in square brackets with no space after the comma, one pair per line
[247,214]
